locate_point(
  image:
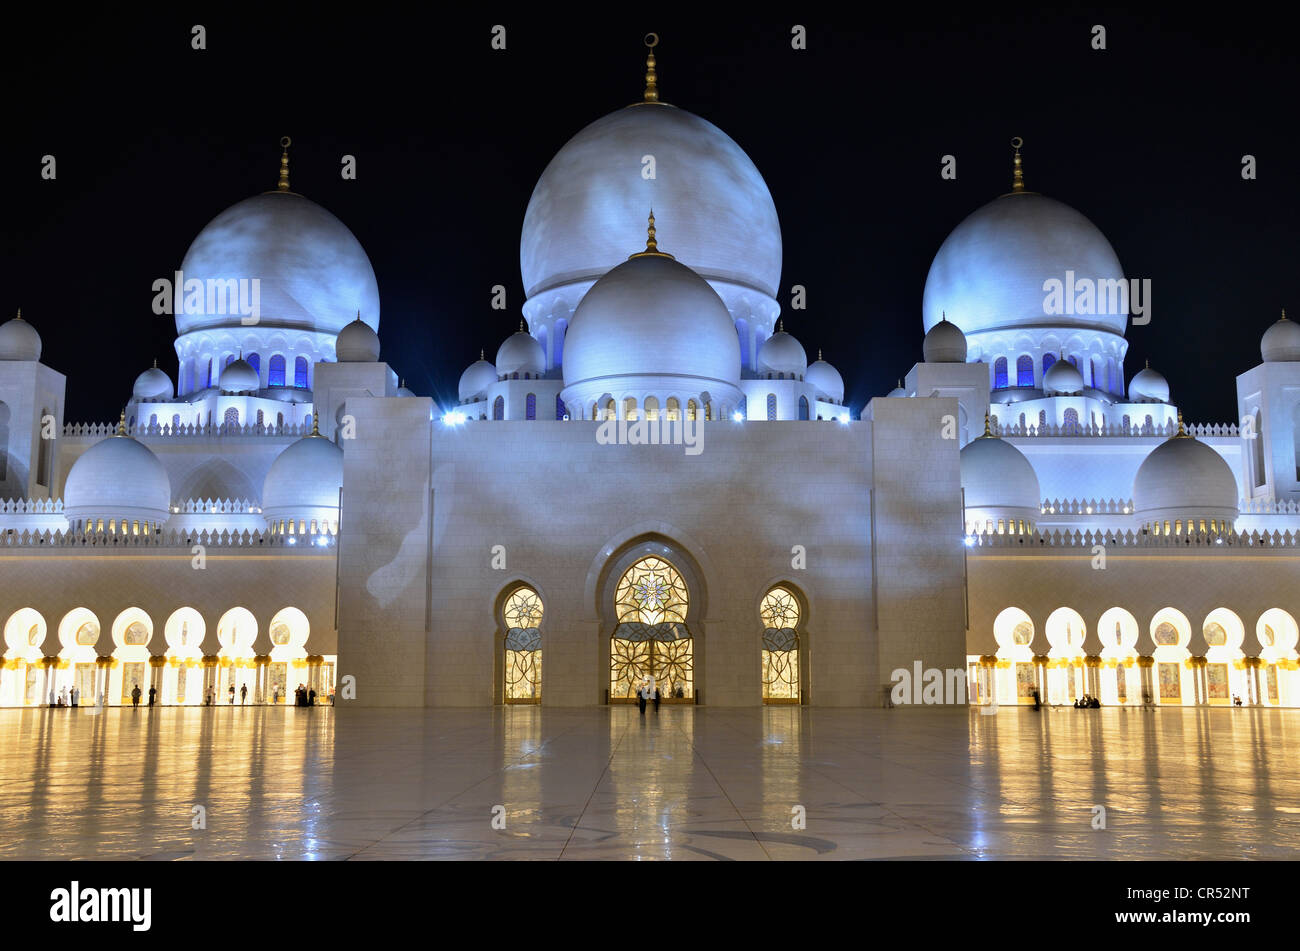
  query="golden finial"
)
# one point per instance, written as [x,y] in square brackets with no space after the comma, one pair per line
[651,77]
[651,245]
[819,353]
[1182,433]
[521,326]
[780,326]
[284,164]
[943,314]
[315,424]
[20,314]
[988,430]
[121,424]
[481,355]
[155,363]
[1148,363]
[1017,173]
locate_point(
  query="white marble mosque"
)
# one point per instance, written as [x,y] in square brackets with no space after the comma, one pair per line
[1021,509]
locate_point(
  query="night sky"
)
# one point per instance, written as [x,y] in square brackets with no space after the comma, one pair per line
[154,139]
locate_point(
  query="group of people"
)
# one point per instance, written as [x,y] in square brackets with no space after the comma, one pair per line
[648,692]
[1087,703]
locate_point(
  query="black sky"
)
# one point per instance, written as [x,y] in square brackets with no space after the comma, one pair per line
[153,139]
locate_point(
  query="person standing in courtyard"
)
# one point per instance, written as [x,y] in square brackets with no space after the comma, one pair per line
[243,694]
[135,696]
[656,696]
[311,696]
[73,694]
[640,697]
[153,694]
[231,694]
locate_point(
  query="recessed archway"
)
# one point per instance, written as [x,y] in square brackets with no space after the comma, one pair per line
[23,679]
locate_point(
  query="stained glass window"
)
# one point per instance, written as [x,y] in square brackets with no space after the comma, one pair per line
[1024,370]
[300,373]
[1166,635]
[1000,373]
[530,406]
[651,643]
[275,373]
[136,635]
[1215,635]
[780,615]
[88,634]
[522,615]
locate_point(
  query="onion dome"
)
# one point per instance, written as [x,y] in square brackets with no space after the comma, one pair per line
[581,216]
[117,478]
[1185,479]
[1280,343]
[521,352]
[238,377]
[303,485]
[655,319]
[357,343]
[999,486]
[782,353]
[1148,386]
[19,340]
[944,343]
[989,272]
[1062,379]
[476,379]
[826,380]
[312,272]
[153,384]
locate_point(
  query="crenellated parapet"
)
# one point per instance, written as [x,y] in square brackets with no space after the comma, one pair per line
[166,539]
[1108,429]
[1135,539]
[185,430]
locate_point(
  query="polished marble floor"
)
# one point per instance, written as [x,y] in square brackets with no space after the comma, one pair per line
[689,783]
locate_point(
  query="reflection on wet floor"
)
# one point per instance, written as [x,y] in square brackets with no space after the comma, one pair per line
[527,782]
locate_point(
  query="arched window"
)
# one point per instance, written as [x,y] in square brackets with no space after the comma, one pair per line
[595,410]
[255,361]
[1048,360]
[88,634]
[674,409]
[261,419]
[1022,634]
[136,635]
[530,406]
[1042,420]
[1148,426]
[651,643]
[771,406]
[231,418]
[559,408]
[1166,635]
[803,407]
[780,614]
[611,412]
[691,410]
[652,409]
[1215,635]
[300,366]
[1257,450]
[275,374]
[1024,370]
[279,420]
[1000,373]
[153,420]
[1071,421]
[499,408]
[521,616]
[209,373]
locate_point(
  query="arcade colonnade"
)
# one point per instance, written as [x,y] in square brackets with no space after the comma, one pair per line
[47,658]
[1225,658]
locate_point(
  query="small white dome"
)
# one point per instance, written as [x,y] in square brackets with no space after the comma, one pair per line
[238,377]
[520,353]
[476,379]
[1148,386]
[826,380]
[1183,478]
[944,343]
[357,343]
[118,478]
[1062,377]
[304,481]
[1280,343]
[19,340]
[782,353]
[896,392]
[995,474]
[403,391]
[153,384]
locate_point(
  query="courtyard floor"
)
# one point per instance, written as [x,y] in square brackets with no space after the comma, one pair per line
[688,783]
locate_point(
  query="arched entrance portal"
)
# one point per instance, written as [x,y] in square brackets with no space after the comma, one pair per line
[651,643]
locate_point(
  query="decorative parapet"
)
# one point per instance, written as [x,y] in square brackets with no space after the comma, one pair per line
[191,430]
[31,507]
[217,507]
[165,539]
[1086,507]
[1134,539]
[1112,429]
[1268,507]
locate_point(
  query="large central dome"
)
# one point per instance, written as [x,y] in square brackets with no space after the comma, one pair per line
[313,273]
[587,208]
[989,273]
